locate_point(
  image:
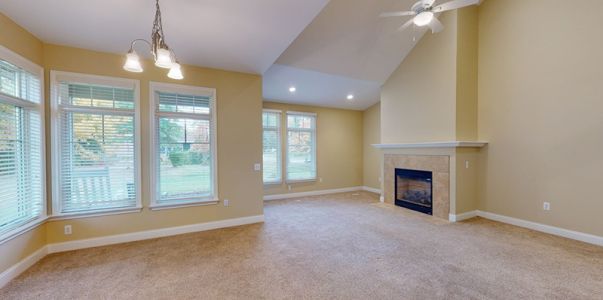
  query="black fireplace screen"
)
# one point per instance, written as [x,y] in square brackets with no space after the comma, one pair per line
[414,190]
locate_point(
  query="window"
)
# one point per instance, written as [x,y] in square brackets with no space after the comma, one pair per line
[21,143]
[271,121]
[301,146]
[183,145]
[96,152]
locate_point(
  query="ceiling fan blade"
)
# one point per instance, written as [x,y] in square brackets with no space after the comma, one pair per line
[406,25]
[435,25]
[454,5]
[397,14]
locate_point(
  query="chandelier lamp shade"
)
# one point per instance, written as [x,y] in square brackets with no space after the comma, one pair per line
[162,54]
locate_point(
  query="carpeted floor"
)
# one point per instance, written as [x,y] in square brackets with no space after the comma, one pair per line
[341,246]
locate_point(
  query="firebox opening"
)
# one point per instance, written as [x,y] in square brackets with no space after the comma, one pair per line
[414,190]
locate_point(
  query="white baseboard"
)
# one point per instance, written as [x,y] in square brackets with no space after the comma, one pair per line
[312,193]
[372,190]
[462,216]
[151,234]
[570,234]
[20,267]
[24,264]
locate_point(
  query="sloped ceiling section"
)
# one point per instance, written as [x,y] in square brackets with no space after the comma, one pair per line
[347,44]
[246,36]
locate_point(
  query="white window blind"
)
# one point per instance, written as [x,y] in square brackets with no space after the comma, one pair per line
[97,150]
[184,145]
[21,146]
[301,146]
[271,122]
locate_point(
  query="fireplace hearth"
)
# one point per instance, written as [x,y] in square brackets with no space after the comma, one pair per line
[414,190]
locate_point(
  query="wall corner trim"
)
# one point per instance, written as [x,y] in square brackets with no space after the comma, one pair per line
[20,267]
[14,271]
[462,216]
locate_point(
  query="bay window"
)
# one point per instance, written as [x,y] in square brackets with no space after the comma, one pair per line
[22,192]
[183,145]
[96,144]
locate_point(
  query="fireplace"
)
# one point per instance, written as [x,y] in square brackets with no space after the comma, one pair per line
[414,190]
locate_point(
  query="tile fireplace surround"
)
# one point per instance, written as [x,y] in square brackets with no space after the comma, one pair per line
[437,164]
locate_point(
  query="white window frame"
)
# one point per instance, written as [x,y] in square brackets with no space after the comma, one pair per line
[27,65]
[154,88]
[314,148]
[279,133]
[56,77]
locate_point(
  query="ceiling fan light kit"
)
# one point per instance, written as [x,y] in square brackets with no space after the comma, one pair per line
[164,57]
[424,11]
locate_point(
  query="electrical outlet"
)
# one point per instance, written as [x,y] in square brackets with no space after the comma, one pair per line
[319,179]
[67,230]
[546,206]
[379,179]
[289,187]
[257,167]
[226,202]
[466,164]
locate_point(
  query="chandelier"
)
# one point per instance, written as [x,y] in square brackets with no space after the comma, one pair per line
[163,55]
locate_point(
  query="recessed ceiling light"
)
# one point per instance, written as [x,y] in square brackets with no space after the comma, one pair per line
[292,89]
[350,97]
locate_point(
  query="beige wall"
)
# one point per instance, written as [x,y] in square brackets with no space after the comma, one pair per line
[541,109]
[239,102]
[239,106]
[371,170]
[418,101]
[466,74]
[15,38]
[338,151]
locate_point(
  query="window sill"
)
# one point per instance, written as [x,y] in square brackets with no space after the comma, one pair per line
[100,213]
[157,207]
[301,181]
[33,224]
[272,183]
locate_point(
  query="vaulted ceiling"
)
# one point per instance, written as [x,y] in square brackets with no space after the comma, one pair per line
[327,49]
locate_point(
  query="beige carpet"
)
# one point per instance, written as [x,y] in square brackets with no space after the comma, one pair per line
[340,246]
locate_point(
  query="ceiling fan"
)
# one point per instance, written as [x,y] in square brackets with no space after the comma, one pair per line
[424,13]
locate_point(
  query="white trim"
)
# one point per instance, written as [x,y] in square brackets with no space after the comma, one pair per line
[151,234]
[301,113]
[450,144]
[94,214]
[55,78]
[213,121]
[20,267]
[462,216]
[570,234]
[22,62]
[272,110]
[183,205]
[312,193]
[23,228]
[372,190]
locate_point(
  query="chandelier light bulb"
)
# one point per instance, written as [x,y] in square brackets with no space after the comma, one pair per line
[175,72]
[132,63]
[163,58]
[423,18]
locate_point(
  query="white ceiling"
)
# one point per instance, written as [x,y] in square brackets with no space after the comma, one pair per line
[320,89]
[350,42]
[348,38]
[326,48]
[239,35]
